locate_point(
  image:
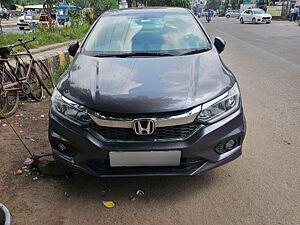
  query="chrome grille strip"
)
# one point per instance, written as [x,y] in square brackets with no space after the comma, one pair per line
[180,119]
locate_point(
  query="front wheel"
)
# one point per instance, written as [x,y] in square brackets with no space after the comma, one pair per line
[254,21]
[9,99]
[44,76]
[268,22]
[227,17]
[241,20]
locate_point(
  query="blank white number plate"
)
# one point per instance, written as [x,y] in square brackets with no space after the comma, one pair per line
[153,158]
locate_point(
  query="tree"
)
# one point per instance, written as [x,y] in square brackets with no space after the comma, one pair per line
[213,4]
[48,7]
[99,6]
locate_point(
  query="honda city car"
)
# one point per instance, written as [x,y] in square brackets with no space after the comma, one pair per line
[255,16]
[146,95]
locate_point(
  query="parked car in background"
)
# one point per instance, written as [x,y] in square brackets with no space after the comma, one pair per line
[232,13]
[30,17]
[255,16]
[44,19]
[146,95]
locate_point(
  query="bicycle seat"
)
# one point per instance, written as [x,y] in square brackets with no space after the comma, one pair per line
[4,51]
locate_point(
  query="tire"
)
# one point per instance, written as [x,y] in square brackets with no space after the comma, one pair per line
[299,22]
[21,71]
[8,101]
[227,16]
[268,22]
[36,89]
[253,21]
[44,76]
[241,20]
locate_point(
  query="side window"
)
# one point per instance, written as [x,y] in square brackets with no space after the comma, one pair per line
[246,12]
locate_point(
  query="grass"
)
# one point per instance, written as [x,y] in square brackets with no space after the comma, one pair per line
[58,73]
[45,37]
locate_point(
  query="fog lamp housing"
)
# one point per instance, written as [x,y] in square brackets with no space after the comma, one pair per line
[226,146]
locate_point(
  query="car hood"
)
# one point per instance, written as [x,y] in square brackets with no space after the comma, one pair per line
[147,84]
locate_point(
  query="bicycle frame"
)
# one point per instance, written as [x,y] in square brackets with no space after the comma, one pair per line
[15,85]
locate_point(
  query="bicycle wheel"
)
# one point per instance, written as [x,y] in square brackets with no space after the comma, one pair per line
[21,71]
[44,77]
[35,87]
[9,100]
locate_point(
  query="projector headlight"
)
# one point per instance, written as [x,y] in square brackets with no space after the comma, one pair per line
[69,110]
[221,106]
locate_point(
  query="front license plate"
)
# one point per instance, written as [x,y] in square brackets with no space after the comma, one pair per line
[153,158]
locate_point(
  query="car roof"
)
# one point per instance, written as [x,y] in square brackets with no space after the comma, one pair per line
[148,10]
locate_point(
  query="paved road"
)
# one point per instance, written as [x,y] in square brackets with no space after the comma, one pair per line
[14,30]
[261,187]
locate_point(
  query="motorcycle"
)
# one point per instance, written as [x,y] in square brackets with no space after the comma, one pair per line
[4,16]
[208,19]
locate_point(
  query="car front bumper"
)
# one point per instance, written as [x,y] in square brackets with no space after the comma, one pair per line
[88,154]
[263,20]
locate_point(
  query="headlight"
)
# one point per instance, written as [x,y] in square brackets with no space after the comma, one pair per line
[221,106]
[69,110]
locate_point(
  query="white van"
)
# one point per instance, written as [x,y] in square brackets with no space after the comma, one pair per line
[30,16]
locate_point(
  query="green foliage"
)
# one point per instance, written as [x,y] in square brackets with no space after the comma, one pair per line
[235,4]
[44,37]
[99,6]
[172,3]
[58,73]
[7,3]
[104,5]
[76,19]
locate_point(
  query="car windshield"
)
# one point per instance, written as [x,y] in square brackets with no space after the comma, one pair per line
[258,11]
[155,32]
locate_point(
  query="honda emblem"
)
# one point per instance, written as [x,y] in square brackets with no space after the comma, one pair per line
[144,126]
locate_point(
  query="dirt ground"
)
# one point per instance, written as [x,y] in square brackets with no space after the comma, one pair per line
[33,198]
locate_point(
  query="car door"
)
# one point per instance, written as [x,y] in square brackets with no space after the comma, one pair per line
[247,16]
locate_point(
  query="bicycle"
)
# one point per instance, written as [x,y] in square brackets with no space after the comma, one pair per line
[31,79]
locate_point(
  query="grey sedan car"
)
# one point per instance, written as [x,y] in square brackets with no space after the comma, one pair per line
[232,13]
[147,94]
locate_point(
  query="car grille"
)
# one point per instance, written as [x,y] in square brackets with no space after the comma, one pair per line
[21,20]
[266,18]
[178,132]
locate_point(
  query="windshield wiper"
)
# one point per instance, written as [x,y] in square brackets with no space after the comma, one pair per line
[130,54]
[196,51]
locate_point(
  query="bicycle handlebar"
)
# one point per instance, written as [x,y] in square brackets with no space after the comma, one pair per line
[22,43]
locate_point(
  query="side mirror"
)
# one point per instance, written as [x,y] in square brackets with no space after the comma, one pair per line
[73,47]
[219,44]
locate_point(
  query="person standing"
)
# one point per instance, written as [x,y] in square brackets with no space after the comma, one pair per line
[296,13]
[292,13]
